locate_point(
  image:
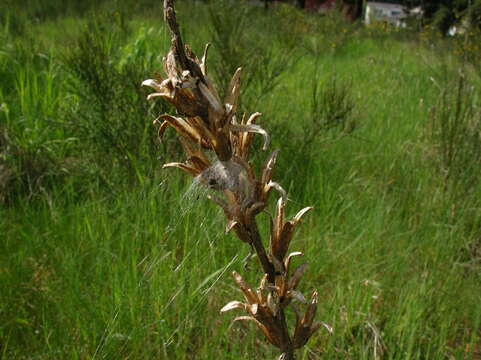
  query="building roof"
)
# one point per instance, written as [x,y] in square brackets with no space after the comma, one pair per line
[385,5]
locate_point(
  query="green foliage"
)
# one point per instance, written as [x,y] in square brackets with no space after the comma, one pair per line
[108,112]
[446,13]
[454,130]
[103,255]
[262,62]
[33,147]
[331,109]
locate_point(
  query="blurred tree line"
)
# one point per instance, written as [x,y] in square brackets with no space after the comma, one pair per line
[441,13]
[445,13]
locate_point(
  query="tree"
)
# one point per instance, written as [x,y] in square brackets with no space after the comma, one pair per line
[352,9]
[445,13]
[301,4]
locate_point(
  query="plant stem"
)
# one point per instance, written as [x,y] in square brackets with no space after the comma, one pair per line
[256,241]
[287,346]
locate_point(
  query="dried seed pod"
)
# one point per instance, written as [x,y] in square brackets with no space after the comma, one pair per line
[207,123]
[287,261]
[296,277]
[233,305]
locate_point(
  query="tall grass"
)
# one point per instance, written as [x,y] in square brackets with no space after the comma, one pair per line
[94,242]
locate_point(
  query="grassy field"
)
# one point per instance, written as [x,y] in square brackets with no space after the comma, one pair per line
[103,255]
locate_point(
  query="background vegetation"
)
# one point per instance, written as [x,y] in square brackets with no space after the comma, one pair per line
[105,256]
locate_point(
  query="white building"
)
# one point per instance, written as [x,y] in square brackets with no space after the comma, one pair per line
[385,12]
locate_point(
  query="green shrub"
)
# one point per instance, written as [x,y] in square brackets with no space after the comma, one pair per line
[454,130]
[108,110]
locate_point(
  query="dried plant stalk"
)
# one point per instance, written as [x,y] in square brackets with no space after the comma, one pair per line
[205,123]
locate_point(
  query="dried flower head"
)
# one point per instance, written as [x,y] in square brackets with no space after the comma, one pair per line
[207,124]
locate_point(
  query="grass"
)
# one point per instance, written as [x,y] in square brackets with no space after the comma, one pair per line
[101,258]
